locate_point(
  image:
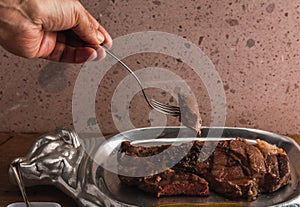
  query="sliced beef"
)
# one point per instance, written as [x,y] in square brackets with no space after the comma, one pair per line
[235,169]
[140,151]
[189,113]
[131,164]
[247,155]
[171,182]
[232,169]
[278,172]
[168,182]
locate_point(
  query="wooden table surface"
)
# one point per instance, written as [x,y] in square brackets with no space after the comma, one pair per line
[13,145]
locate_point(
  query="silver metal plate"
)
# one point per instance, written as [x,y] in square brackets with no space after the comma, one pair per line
[286,196]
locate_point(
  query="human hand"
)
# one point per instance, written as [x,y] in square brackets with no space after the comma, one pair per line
[58,30]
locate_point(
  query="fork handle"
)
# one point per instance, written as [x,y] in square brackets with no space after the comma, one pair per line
[109,52]
[15,167]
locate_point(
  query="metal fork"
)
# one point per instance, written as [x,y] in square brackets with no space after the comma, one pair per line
[160,107]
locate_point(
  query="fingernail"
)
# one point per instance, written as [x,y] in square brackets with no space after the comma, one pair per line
[100,37]
[93,56]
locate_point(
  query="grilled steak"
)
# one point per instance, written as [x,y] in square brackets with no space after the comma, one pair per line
[277,167]
[235,169]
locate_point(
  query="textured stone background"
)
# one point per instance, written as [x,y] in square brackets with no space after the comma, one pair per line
[254,45]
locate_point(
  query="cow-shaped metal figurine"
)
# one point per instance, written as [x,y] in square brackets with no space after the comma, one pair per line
[59,159]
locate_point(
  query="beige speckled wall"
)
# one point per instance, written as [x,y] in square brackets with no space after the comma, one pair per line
[253,45]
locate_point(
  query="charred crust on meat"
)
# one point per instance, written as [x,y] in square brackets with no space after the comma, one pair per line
[236,169]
